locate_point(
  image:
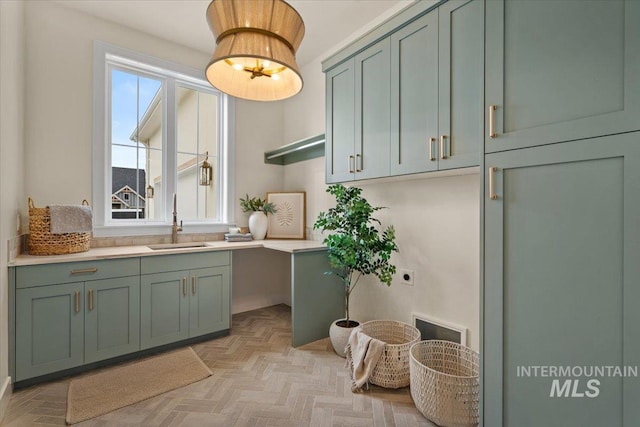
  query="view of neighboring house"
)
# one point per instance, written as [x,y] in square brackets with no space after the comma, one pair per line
[127,193]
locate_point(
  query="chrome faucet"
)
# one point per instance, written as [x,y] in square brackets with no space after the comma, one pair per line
[174,227]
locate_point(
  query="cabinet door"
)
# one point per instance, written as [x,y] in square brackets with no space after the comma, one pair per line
[414,96]
[340,113]
[49,329]
[562,282]
[164,308]
[461,80]
[112,318]
[561,70]
[372,122]
[210,300]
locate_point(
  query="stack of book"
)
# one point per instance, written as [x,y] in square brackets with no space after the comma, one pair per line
[238,237]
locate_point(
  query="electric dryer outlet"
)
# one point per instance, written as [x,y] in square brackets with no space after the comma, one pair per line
[406,276]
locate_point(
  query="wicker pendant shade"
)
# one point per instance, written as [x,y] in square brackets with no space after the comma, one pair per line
[256,43]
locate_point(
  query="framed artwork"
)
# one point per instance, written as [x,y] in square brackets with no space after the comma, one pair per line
[289,220]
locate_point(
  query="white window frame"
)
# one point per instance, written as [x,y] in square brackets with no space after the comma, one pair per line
[107,57]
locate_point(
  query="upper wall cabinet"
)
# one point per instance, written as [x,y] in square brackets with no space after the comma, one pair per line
[340,105]
[437,89]
[411,102]
[357,102]
[414,103]
[560,71]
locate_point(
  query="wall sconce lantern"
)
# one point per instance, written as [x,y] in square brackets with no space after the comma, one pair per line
[150,191]
[206,172]
[256,44]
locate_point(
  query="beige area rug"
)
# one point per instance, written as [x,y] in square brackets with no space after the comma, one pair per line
[114,388]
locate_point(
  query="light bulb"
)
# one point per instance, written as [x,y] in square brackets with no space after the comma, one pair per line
[275,76]
[238,66]
[265,64]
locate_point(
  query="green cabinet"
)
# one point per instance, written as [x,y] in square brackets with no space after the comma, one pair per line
[373,104]
[340,114]
[111,318]
[93,316]
[437,89]
[412,101]
[180,301]
[562,282]
[358,110]
[560,71]
[49,329]
[65,315]
[164,308]
[209,302]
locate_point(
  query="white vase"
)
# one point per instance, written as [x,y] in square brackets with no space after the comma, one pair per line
[339,335]
[258,224]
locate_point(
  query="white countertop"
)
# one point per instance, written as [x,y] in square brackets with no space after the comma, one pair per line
[290,246]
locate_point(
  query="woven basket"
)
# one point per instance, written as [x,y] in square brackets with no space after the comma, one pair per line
[43,242]
[444,382]
[392,370]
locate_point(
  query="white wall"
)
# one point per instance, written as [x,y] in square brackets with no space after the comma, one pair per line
[437,226]
[436,220]
[11,159]
[261,278]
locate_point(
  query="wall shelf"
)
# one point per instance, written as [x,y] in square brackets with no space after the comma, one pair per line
[305,149]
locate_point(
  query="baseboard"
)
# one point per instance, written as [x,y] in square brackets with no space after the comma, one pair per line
[5,396]
[257,302]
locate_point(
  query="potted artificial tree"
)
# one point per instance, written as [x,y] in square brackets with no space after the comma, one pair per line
[357,247]
[258,221]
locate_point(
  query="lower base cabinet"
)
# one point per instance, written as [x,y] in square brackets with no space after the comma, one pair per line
[111,320]
[184,304]
[66,315]
[49,330]
[63,326]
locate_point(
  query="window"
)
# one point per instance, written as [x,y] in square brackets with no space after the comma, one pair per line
[155,123]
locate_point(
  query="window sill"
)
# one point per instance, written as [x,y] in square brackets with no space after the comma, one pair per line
[157,229]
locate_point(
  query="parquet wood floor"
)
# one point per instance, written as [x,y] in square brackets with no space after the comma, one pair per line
[258,380]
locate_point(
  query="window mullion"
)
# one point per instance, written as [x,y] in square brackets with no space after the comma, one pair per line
[170,145]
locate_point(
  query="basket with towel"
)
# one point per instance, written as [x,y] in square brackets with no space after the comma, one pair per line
[378,353]
[59,229]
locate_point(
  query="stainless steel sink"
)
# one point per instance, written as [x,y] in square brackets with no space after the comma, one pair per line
[165,246]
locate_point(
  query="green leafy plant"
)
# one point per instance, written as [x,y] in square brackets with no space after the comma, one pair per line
[356,245]
[255,204]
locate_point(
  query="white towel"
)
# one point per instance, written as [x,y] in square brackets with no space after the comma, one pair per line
[70,219]
[363,353]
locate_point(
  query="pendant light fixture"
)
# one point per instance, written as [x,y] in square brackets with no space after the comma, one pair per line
[256,44]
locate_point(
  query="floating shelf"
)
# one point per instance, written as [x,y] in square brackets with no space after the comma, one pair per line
[305,149]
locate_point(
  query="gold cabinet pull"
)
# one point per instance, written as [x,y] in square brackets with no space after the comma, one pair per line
[432,141]
[90,297]
[443,153]
[76,295]
[358,162]
[184,286]
[193,285]
[351,164]
[85,270]
[492,191]
[492,120]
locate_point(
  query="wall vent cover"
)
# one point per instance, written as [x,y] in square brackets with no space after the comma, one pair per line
[434,329]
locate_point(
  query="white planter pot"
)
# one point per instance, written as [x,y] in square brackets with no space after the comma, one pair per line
[258,224]
[339,335]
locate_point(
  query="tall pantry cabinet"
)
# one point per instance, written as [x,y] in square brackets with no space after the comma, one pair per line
[561,212]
